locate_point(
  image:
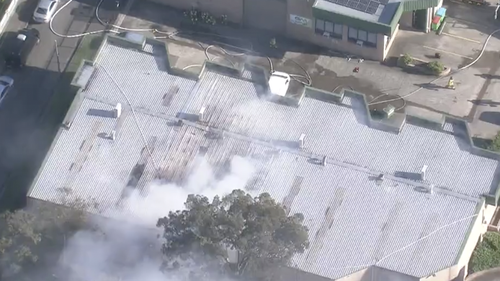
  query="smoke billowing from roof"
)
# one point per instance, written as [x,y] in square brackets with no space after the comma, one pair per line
[130,252]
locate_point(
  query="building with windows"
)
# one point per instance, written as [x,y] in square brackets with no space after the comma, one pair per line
[365,28]
[403,197]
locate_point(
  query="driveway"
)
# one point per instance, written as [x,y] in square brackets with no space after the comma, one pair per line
[22,136]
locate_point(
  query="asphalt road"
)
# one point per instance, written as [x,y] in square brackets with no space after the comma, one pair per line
[21,136]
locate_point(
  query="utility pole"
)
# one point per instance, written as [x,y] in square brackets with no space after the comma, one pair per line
[496,10]
[57,57]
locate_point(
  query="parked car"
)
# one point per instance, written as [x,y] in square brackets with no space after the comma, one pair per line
[6,84]
[18,48]
[44,10]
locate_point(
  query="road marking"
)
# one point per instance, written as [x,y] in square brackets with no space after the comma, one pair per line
[448,52]
[460,20]
[463,38]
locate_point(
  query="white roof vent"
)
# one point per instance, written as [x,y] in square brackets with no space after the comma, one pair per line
[301,140]
[112,135]
[323,161]
[118,110]
[201,113]
[21,37]
[423,172]
[279,83]
[431,189]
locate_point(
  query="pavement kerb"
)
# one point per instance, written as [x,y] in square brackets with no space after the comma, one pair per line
[485,275]
[8,13]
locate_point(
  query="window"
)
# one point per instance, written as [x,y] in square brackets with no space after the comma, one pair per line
[330,29]
[369,39]
[362,35]
[372,38]
[353,33]
[338,29]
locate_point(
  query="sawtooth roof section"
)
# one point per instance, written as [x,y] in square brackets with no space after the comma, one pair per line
[354,220]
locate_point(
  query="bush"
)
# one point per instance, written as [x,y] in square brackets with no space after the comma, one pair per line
[487,253]
[495,143]
[406,59]
[435,67]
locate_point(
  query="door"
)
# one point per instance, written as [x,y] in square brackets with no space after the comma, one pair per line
[273,17]
[420,21]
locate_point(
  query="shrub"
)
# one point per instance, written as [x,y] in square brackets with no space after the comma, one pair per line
[495,143]
[487,253]
[406,59]
[435,67]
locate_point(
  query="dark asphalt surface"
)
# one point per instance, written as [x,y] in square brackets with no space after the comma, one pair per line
[21,136]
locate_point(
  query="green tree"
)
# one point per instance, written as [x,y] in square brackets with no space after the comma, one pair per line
[495,143]
[258,228]
[26,234]
[435,67]
[18,235]
[487,253]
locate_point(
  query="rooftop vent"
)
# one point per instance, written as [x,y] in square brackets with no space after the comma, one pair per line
[389,111]
[301,140]
[201,113]
[118,110]
[279,83]
[112,135]
[423,173]
[136,38]
[379,179]
[323,161]
[431,189]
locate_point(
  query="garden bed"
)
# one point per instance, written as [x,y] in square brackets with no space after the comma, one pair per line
[435,68]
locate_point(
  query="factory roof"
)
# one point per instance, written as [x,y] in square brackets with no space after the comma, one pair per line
[379,11]
[355,218]
[375,16]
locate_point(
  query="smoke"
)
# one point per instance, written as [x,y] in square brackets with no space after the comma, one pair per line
[127,247]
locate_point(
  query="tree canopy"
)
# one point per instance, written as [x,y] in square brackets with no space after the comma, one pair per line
[258,228]
[25,235]
[487,253]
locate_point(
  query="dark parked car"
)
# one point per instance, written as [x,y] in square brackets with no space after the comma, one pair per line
[19,47]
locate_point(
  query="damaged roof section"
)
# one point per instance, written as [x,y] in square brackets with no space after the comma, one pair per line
[355,179]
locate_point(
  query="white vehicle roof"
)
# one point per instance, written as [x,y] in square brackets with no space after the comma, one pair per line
[44,4]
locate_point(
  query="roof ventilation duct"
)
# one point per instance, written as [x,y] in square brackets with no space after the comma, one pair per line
[423,173]
[118,110]
[201,114]
[301,140]
[112,135]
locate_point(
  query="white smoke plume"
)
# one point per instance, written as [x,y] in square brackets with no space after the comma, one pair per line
[131,251]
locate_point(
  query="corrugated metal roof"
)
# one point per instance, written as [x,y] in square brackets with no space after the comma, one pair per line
[413,5]
[353,220]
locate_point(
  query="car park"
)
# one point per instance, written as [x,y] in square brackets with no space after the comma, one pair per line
[44,10]
[19,46]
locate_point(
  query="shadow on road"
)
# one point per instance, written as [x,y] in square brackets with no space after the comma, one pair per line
[430,86]
[28,124]
[488,76]
[483,102]
[25,10]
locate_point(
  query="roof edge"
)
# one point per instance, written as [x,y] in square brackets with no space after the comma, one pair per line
[491,198]
[479,207]
[370,26]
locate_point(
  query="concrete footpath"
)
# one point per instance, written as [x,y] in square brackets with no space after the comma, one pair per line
[486,275]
